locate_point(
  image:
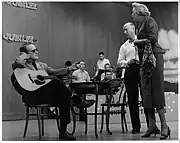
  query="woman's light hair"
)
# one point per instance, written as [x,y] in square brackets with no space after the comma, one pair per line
[141,8]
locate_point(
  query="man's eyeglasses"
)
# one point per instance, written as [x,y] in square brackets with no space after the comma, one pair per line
[33,51]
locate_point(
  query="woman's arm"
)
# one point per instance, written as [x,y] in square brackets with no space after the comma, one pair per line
[140,41]
[150,32]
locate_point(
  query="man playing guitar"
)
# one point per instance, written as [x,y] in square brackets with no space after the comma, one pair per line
[37,90]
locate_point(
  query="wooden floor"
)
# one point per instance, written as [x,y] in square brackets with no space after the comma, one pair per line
[13,131]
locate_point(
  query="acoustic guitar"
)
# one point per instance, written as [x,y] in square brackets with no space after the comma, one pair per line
[32,80]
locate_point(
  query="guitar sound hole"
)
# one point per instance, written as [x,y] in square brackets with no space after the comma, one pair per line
[40,77]
[39,82]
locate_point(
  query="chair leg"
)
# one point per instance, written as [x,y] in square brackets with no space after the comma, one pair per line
[74,120]
[42,118]
[102,119]
[122,119]
[107,121]
[27,119]
[125,122]
[86,124]
[57,118]
[39,122]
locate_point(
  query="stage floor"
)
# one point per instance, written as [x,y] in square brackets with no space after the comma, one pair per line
[13,131]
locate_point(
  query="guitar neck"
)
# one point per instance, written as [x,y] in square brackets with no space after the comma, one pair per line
[49,77]
[59,74]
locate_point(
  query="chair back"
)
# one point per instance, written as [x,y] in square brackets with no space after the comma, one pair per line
[120,93]
[83,87]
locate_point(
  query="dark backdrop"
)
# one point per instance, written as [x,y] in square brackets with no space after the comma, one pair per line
[69,31]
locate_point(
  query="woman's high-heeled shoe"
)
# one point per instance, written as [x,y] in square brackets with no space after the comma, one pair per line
[151,130]
[163,136]
[157,131]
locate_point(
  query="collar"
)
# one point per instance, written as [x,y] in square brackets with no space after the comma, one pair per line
[30,61]
[131,41]
[81,70]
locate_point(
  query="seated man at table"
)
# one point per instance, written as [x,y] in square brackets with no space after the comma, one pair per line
[67,79]
[100,66]
[108,73]
[81,75]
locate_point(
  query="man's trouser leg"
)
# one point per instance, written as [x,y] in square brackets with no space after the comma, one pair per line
[131,82]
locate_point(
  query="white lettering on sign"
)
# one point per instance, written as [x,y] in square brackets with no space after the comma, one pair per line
[18,38]
[27,5]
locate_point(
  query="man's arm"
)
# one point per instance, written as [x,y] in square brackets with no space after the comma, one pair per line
[74,75]
[122,62]
[102,76]
[88,77]
[17,64]
[58,72]
[97,69]
[113,76]
[20,61]
[61,71]
[108,62]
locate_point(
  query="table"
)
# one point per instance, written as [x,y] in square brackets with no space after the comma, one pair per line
[95,88]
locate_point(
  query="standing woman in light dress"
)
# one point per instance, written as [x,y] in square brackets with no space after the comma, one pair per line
[153,86]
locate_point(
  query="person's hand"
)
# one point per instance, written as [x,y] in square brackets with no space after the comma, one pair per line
[72,67]
[24,56]
[130,62]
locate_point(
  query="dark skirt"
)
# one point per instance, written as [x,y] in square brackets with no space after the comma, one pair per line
[153,88]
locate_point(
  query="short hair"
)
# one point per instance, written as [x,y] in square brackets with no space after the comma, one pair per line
[68,63]
[106,65]
[129,23]
[23,48]
[81,61]
[77,62]
[101,53]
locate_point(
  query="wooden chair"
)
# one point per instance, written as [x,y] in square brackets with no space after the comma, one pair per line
[85,89]
[39,114]
[39,110]
[75,113]
[40,117]
[121,103]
